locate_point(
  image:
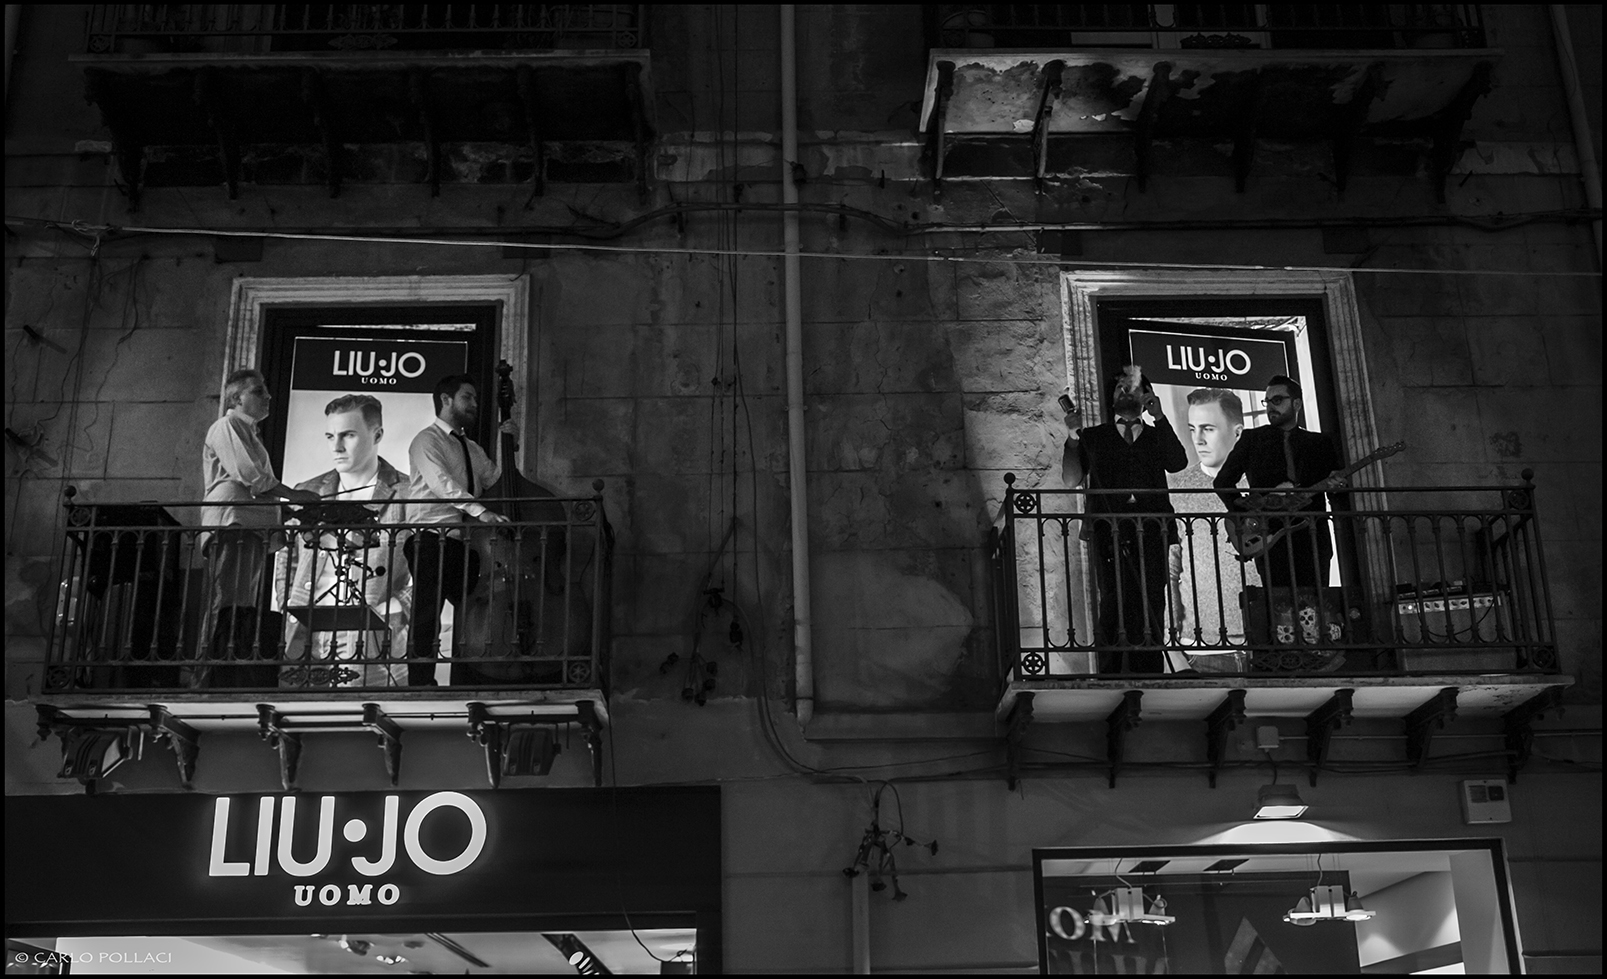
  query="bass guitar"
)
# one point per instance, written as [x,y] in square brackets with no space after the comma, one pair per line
[525,621]
[1255,531]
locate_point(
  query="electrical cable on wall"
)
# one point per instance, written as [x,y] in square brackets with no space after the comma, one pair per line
[990,257]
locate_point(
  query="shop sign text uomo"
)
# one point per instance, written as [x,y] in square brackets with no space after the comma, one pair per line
[401,860]
[273,847]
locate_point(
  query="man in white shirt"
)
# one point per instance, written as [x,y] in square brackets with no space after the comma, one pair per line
[450,470]
[235,469]
[353,568]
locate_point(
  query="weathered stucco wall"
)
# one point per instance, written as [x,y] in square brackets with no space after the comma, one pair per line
[931,365]
[926,379]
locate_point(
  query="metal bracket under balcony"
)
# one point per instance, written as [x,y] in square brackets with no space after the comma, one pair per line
[1013,111]
[96,736]
[1423,703]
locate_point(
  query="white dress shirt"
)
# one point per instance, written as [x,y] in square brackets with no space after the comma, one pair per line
[235,467]
[436,457]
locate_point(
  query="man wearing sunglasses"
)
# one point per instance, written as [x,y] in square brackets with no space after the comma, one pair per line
[1283,455]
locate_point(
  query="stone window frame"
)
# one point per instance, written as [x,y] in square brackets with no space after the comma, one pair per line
[251,297]
[1081,291]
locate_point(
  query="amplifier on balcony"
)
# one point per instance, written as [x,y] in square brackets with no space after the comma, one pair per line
[1466,626]
[1453,617]
[1306,622]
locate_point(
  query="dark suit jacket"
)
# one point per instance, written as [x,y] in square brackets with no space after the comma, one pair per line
[1259,456]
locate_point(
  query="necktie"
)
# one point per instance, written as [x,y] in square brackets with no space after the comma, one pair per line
[1289,458]
[1130,428]
[468,463]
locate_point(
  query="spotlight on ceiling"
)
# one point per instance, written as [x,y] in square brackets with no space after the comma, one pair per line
[1279,802]
[529,751]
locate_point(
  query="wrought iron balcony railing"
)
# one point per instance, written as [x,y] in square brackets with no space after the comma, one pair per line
[121,28]
[336,597]
[1418,589]
[1351,26]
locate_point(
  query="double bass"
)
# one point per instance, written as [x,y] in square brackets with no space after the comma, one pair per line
[527,621]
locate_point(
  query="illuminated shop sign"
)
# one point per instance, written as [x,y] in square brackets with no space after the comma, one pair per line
[1200,360]
[410,857]
[273,846]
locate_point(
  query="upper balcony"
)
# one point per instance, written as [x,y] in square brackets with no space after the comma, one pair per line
[1006,83]
[1436,603]
[119,28]
[1283,26]
[312,625]
[224,94]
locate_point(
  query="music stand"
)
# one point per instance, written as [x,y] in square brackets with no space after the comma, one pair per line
[337,618]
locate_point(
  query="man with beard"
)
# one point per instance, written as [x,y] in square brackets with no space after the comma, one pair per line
[1213,577]
[1285,455]
[1132,557]
[449,471]
[352,567]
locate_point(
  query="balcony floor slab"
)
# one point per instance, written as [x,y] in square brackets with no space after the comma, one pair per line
[1081,700]
[236,711]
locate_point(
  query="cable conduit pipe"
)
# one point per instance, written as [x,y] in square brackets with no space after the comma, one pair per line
[1589,169]
[798,497]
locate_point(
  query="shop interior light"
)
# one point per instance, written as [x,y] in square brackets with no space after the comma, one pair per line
[1354,911]
[1328,902]
[1127,904]
[1301,913]
[1279,802]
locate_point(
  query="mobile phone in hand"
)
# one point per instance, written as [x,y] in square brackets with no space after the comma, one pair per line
[1066,404]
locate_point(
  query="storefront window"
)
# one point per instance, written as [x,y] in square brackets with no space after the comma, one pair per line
[1280,909]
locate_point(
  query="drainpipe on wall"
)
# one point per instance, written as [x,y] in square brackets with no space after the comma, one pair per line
[802,631]
[860,908]
[13,17]
[1589,171]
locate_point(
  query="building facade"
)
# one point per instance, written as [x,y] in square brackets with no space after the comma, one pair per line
[788,296]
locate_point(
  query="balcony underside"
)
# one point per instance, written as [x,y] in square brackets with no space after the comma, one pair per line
[224,711]
[1194,699]
[1037,97]
[286,118]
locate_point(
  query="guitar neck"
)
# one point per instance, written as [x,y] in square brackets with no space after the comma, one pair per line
[1353,468]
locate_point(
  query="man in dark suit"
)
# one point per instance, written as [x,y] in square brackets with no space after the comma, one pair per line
[1282,454]
[1131,556]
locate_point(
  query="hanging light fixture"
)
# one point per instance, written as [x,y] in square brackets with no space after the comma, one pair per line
[1301,913]
[1279,802]
[1354,911]
[1328,902]
[1127,904]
